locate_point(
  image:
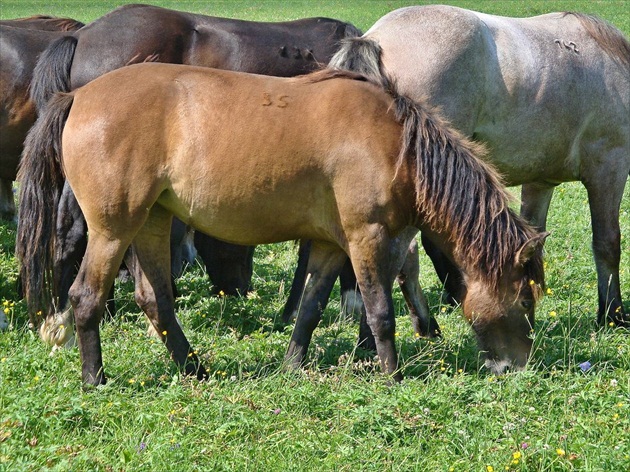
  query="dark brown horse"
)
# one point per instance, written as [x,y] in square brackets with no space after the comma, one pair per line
[329,157]
[137,33]
[21,42]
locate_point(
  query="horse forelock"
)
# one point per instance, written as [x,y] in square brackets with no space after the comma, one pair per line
[460,194]
[607,36]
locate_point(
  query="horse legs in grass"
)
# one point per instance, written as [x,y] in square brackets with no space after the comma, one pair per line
[7,202]
[88,295]
[424,324]
[448,273]
[154,293]
[291,307]
[324,264]
[372,265]
[604,198]
[406,269]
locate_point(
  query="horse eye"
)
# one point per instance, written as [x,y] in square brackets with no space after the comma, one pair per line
[527,304]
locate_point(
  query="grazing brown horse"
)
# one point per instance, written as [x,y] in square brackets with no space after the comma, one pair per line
[137,33]
[21,42]
[548,95]
[329,157]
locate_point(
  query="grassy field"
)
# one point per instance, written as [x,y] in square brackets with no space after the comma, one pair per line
[338,413]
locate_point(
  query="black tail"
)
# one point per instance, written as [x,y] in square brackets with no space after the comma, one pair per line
[41,180]
[52,71]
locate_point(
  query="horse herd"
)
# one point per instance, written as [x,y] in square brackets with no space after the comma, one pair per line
[416,125]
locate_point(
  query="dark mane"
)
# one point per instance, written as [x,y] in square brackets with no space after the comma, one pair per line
[458,192]
[608,37]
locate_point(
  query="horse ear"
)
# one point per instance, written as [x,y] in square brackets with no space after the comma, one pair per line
[531,247]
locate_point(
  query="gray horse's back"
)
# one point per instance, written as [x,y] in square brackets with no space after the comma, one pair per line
[542,92]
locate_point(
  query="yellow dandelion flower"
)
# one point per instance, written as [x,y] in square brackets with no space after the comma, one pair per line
[517,455]
[417,335]
[549,291]
[561,452]
[611,324]
[131,381]
[396,334]
[489,468]
[7,311]
[36,378]
[164,333]
[221,293]
[531,282]
[552,314]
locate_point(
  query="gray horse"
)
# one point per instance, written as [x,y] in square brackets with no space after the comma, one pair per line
[549,96]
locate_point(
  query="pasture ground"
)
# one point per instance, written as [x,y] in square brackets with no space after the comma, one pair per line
[568,411]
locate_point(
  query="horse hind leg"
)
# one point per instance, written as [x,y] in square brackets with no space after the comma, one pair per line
[604,198]
[152,273]
[324,264]
[88,296]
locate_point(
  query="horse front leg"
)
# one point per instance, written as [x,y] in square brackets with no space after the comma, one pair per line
[535,201]
[424,324]
[371,261]
[448,273]
[324,263]
[150,262]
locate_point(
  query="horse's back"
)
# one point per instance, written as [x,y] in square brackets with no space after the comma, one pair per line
[225,146]
[540,91]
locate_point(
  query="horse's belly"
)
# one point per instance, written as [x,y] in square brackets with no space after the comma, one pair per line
[254,219]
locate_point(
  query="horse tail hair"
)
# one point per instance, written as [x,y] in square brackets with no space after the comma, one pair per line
[52,71]
[360,55]
[41,179]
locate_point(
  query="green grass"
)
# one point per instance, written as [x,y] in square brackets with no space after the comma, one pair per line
[338,413]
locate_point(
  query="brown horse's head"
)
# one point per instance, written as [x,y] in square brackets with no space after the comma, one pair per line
[502,316]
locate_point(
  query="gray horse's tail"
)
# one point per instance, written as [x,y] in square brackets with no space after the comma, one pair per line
[41,179]
[52,71]
[360,55]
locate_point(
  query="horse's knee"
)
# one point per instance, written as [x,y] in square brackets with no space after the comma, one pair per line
[381,322]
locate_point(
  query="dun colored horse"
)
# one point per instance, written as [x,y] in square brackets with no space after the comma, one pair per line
[548,95]
[328,157]
[137,33]
[21,42]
